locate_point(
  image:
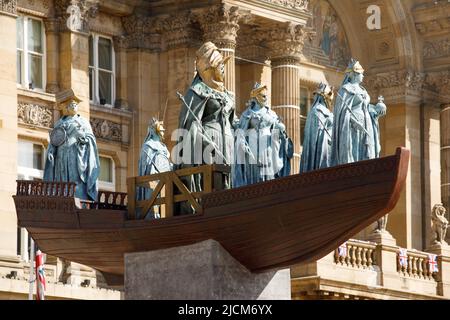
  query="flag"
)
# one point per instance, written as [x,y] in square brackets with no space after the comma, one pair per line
[342,250]
[403,257]
[40,276]
[432,262]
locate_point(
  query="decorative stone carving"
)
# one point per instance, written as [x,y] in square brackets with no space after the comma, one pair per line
[287,40]
[436,49]
[51,25]
[439,223]
[220,24]
[141,32]
[8,6]
[87,9]
[409,79]
[106,129]
[292,4]
[36,115]
[178,30]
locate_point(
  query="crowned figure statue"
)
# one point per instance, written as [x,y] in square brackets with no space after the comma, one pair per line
[261,142]
[355,129]
[72,154]
[154,158]
[316,152]
[207,117]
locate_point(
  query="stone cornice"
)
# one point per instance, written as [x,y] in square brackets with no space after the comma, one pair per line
[432,18]
[8,7]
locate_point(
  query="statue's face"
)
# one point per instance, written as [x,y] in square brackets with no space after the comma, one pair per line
[358,77]
[261,97]
[72,108]
[220,72]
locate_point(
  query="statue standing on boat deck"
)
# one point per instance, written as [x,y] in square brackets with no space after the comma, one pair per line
[355,130]
[154,157]
[318,132]
[72,154]
[207,115]
[261,142]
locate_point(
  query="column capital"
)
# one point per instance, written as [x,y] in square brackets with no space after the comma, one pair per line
[74,15]
[8,7]
[141,32]
[220,24]
[179,31]
[51,25]
[286,41]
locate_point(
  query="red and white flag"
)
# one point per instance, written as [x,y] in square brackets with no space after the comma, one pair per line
[342,250]
[40,276]
[403,257]
[432,262]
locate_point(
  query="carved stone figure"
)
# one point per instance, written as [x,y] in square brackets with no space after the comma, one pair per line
[207,115]
[72,154]
[154,158]
[355,129]
[318,132]
[259,142]
[439,223]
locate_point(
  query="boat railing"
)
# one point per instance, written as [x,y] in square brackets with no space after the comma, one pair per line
[106,200]
[45,188]
[168,189]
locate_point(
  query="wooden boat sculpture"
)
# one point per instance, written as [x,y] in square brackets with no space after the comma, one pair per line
[268,225]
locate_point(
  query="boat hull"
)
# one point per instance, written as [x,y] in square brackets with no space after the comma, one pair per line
[270,225]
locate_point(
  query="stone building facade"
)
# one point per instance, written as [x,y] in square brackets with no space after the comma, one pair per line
[126,59]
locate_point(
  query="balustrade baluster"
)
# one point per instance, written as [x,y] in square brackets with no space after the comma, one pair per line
[358,257]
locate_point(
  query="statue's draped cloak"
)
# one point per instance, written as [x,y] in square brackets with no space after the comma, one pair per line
[76,160]
[216,111]
[154,159]
[316,152]
[350,143]
[269,153]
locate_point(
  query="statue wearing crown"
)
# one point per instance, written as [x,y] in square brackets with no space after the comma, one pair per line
[207,115]
[261,142]
[355,131]
[72,154]
[154,158]
[316,152]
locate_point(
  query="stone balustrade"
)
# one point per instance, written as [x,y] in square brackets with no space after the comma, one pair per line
[369,270]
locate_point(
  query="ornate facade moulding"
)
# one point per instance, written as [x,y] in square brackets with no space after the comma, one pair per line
[140,33]
[105,129]
[402,82]
[220,24]
[286,43]
[78,9]
[292,4]
[34,115]
[179,30]
[436,49]
[8,7]
[431,18]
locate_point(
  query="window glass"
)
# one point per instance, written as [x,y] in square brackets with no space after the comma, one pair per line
[104,54]
[19,66]
[35,70]
[30,155]
[104,84]
[91,51]
[19,27]
[106,169]
[35,35]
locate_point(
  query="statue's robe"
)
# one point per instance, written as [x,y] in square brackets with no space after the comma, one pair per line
[211,118]
[76,160]
[316,152]
[350,143]
[154,158]
[286,153]
[267,158]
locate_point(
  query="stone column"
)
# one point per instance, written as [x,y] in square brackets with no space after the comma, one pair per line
[8,127]
[74,50]
[286,45]
[52,50]
[445,155]
[181,41]
[120,50]
[139,57]
[220,25]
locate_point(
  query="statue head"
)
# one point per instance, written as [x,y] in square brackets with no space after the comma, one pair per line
[259,93]
[210,65]
[70,105]
[355,71]
[325,91]
[155,130]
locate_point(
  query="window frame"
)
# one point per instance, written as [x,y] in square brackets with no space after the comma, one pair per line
[105,185]
[24,74]
[96,69]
